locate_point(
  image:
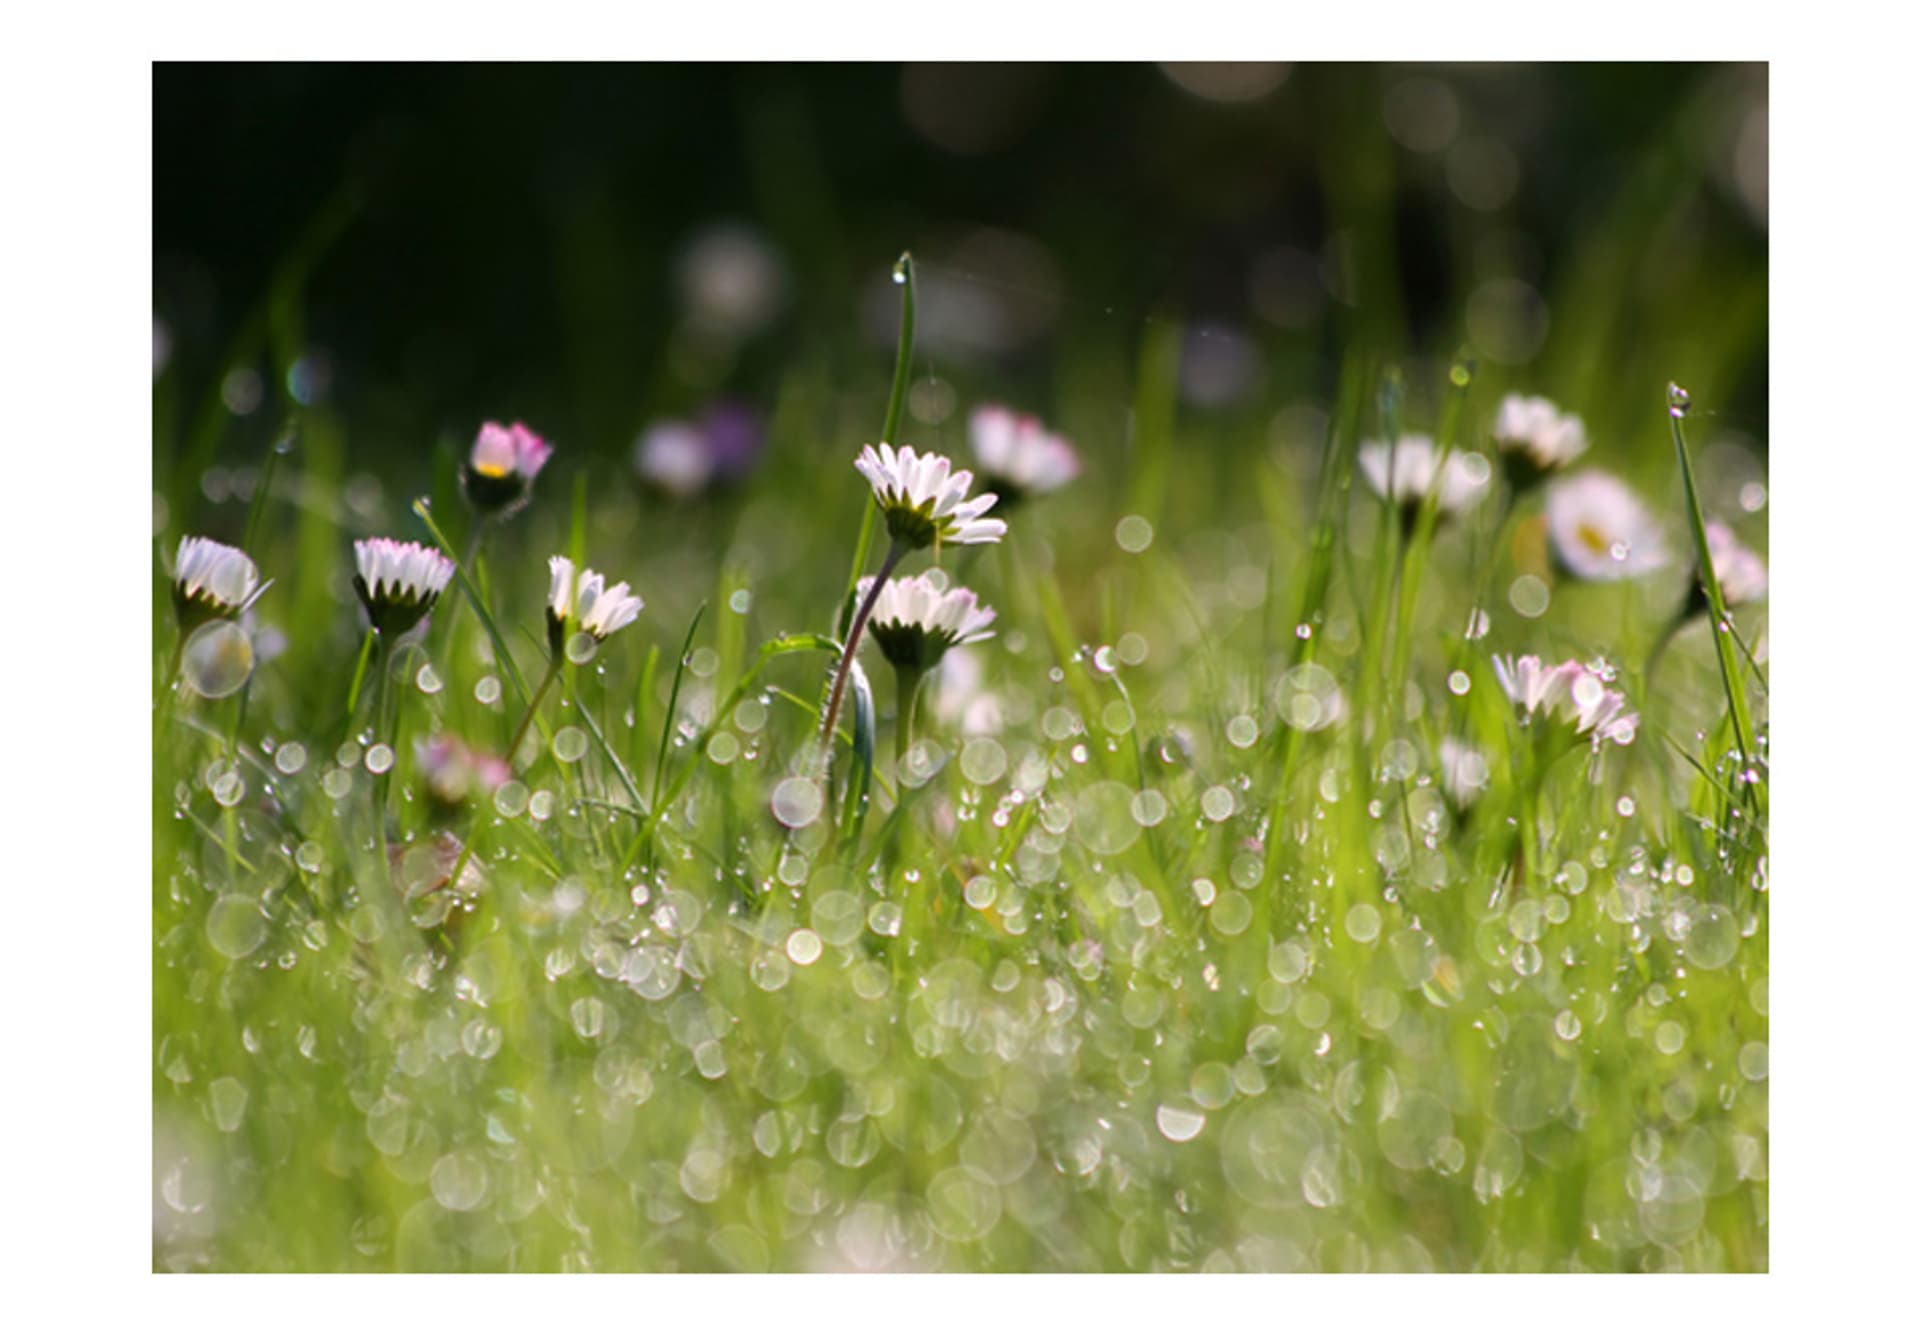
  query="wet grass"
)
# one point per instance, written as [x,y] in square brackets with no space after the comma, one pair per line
[1167,945]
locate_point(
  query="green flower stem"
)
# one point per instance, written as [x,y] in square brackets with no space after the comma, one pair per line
[890,428]
[906,681]
[513,748]
[832,714]
[533,708]
[359,675]
[380,734]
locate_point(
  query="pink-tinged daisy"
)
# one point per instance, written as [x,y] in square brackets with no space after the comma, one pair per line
[499,471]
[212,581]
[1601,530]
[1018,457]
[398,582]
[925,501]
[1566,695]
[583,602]
[1406,471]
[1740,570]
[916,620]
[1535,438]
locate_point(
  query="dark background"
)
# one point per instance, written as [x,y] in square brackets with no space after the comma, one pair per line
[451,243]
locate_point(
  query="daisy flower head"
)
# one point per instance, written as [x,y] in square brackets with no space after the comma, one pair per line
[1741,571]
[582,602]
[398,582]
[211,580]
[1018,457]
[1600,530]
[498,474]
[917,619]
[1407,470]
[1567,697]
[1535,438]
[925,500]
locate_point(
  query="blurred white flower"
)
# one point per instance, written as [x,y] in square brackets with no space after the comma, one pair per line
[1018,456]
[1463,771]
[730,280]
[398,582]
[1569,694]
[1741,571]
[1600,530]
[961,698]
[673,456]
[925,500]
[916,620]
[1534,438]
[1416,469]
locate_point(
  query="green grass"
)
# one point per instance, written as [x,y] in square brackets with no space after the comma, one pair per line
[1307,1013]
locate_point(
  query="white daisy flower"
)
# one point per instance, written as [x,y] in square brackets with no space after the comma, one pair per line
[1463,772]
[1741,571]
[1534,438]
[1600,530]
[1416,470]
[212,579]
[925,500]
[499,471]
[398,582]
[916,620]
[1018,456]
[1568,694]
[584,602]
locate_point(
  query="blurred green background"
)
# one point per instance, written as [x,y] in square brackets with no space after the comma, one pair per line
[591,248]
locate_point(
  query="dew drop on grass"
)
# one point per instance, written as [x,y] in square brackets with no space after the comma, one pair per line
[229,789]
[581,648]
[459,1181]
[290,758]
[511,799]
[227,1101]
[803,947]
[217,659]
[1529,596]
[1217,803]
[1103,818]
[569,744]
[487,690]
[1133,534]
[1363,922]
[1231,914]
[379,758]
[884,918]
[1713,938]
[1179,1124]
[1459,683]
[235,926]
[1148,808]
[428,680]
[797,802]
[983,761]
